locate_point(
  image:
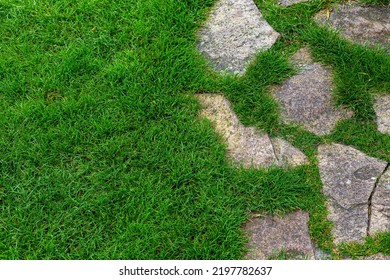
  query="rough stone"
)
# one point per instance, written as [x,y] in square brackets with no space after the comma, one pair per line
[378,256]
[363,24]
[380,205]
[287,3]
[306,98]
[246,145]
[233,34]
[287,154]
[349,177]
[268,236]
[382,110]
[321,255]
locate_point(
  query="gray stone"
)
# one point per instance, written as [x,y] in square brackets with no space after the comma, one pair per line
[287,3]
[380,205]
[233,34]
[321,255]
[246,145]
[306,98]
[287,154]
[269,236]
[382,110]
[349,177]
[378,256]
[368,24]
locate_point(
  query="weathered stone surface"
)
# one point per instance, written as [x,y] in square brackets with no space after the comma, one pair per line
[363,24]
[287,3]
[269,236]
[382,110]
[234,32]
[380,205]
[306,98]
[321,255]
[246,145]
[348,178]
[379,256]
[287,154]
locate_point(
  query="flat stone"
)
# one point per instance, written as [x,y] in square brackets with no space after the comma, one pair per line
[382,110]
[349,177]
[378,256]
[306,98]
[268,236]
[234,32]
[362,24]
[380,205]
[287,3]
[246,145]
[287,154]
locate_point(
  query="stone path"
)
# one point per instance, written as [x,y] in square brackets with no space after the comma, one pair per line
[357,186]
[306,98]
[360,24]
[233,34]
[246,145]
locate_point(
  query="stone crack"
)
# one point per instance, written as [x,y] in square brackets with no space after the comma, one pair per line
[371,196]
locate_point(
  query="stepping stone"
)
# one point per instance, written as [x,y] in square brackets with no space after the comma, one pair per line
[368,24]
[245,144]
[233,34]
[287,3]
[378,256]
[380,205]
[269,236]
[349,178]
[382,110]
[306,98]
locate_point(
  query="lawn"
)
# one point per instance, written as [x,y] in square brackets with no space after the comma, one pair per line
[102,152]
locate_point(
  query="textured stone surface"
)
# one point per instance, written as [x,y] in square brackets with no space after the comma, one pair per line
[363,24]
[269,236]
[287,154]
[306,98]
[380,205]
[382,110]
[246,145]
[379,256]
[287,3]
[232,35]
[349,177]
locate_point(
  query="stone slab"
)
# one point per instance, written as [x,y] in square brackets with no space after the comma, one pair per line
[306,98]
[234,32]
[288,3]
[382,110]
[380,205]
[268,236]
[378,256]
[287,154]
[245,145]
[362,24]
[349,177]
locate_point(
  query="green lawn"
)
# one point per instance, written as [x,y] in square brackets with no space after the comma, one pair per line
[102,155]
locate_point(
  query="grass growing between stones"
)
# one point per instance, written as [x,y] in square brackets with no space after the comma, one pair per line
[102,153]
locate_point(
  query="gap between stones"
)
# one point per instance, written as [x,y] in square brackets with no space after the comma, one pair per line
[371,196]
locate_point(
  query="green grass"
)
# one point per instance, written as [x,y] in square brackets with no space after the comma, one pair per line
[102,153]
